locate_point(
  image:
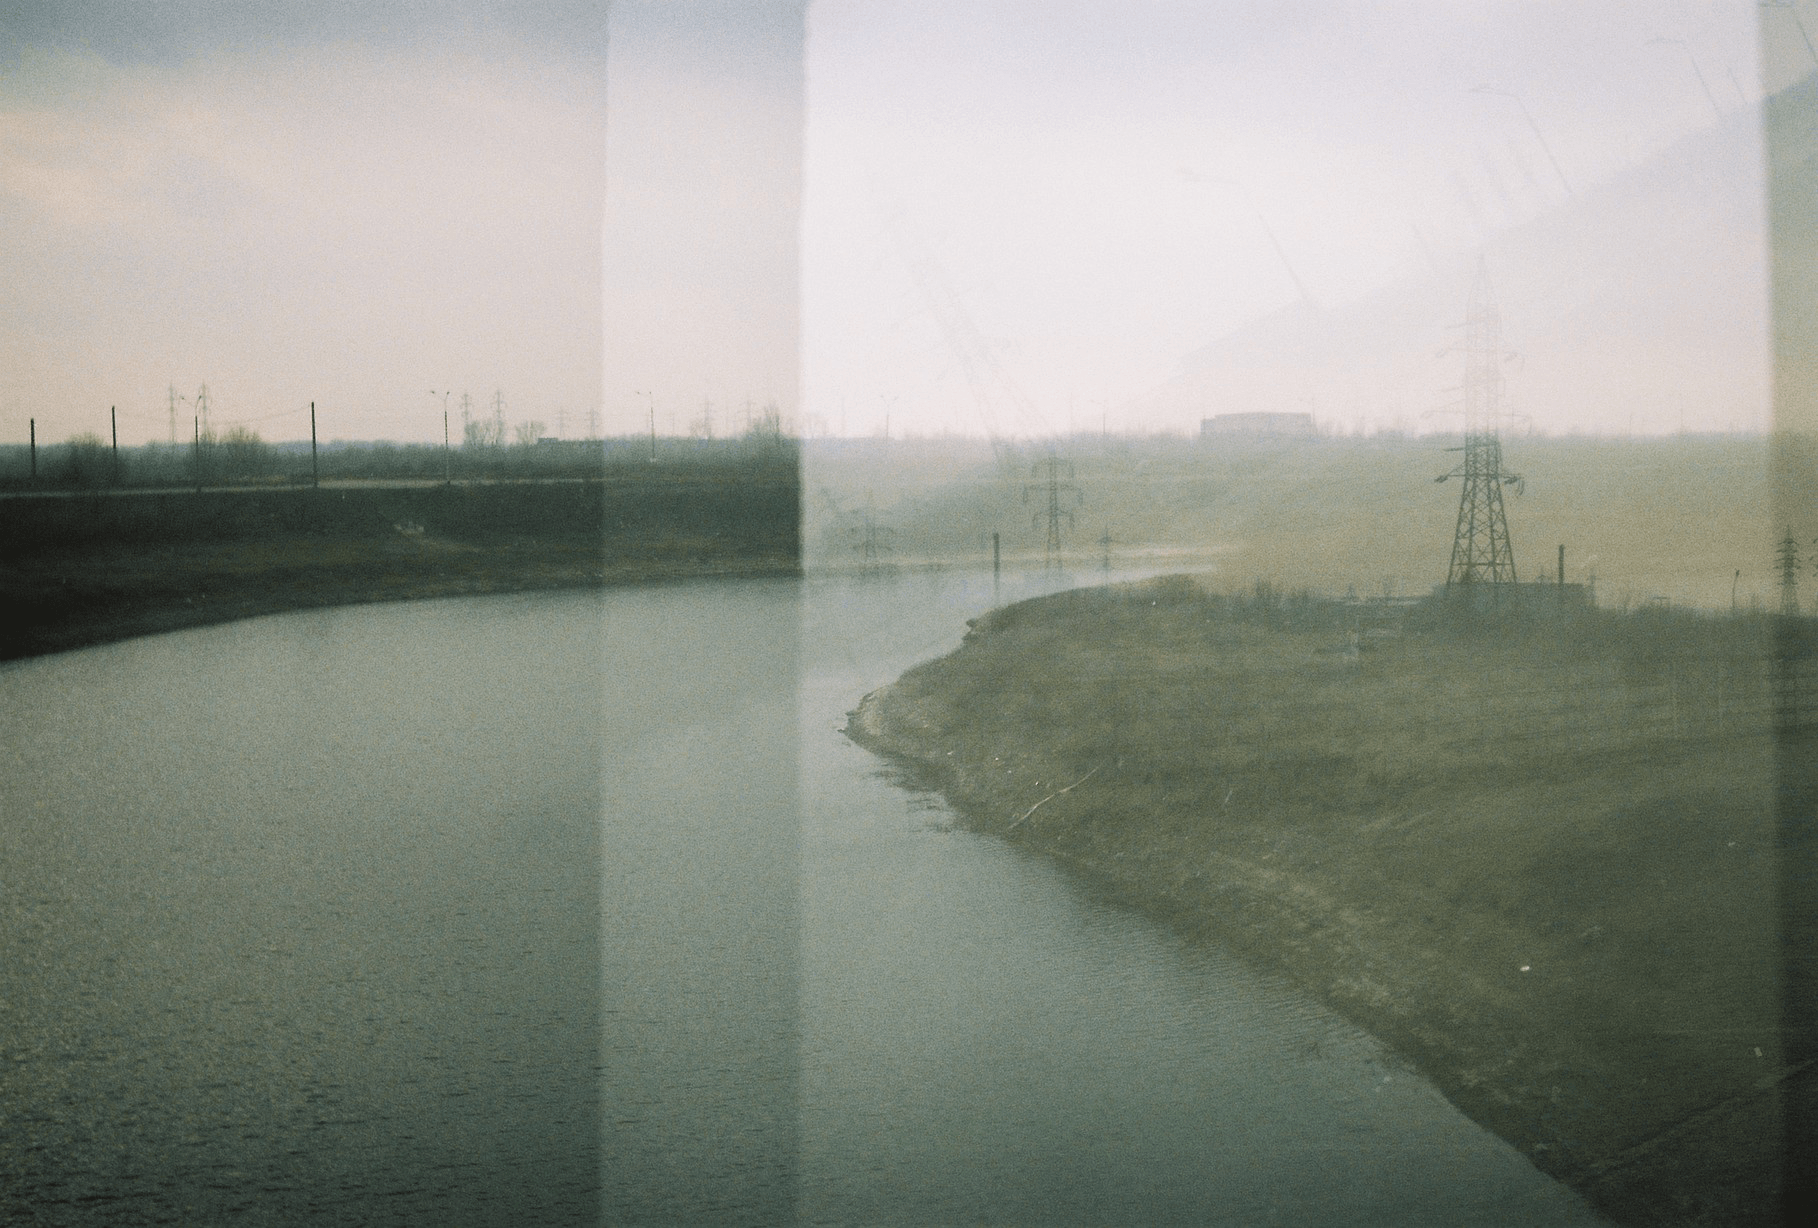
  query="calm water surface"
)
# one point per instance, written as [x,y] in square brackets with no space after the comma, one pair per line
[299,921]
[578,908]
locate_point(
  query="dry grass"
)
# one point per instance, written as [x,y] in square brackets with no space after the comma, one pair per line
[1536,855]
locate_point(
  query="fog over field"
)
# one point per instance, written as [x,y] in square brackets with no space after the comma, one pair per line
[1681,519]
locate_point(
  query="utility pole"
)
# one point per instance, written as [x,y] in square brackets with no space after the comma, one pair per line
[1481,553]
[173,417]
[995,568]
[34,445]
[113,422]
[447,470]
[651,397]
[315,472]
[889,404]
[1057,491]
[196,425]
[1105,542]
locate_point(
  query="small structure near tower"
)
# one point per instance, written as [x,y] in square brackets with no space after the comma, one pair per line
[1481,550]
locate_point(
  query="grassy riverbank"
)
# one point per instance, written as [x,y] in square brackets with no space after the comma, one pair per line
[1534,854]
[91,568]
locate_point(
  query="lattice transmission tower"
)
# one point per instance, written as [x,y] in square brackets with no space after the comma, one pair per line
[1062,497]
[1481,552]
[871,539]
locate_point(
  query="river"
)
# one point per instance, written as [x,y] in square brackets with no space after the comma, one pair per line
[575,908]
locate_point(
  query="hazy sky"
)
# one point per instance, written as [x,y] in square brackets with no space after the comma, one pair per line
[1102,190]
[702,228]
[352,204]
[1007,215]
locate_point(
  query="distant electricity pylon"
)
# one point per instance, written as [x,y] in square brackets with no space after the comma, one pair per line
[1058,492]
[1787,554]
[870,539]
[1481,553]
[873,540]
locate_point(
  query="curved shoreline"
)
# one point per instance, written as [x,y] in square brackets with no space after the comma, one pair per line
[79,571]
[102,605]
[1551,998]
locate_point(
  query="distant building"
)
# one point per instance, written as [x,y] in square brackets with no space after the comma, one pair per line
[1259,426]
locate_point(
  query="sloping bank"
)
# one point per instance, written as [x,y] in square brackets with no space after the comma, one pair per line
[1534,855]
[85,569]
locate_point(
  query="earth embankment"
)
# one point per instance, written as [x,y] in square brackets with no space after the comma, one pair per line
[86,568]
[1534,852]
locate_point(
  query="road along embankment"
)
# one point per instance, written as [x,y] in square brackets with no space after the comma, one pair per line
[81,569]
[1533,852]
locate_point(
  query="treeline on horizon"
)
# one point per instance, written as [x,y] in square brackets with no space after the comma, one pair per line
[240,457]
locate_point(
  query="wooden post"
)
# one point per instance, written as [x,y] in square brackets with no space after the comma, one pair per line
[315,473]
